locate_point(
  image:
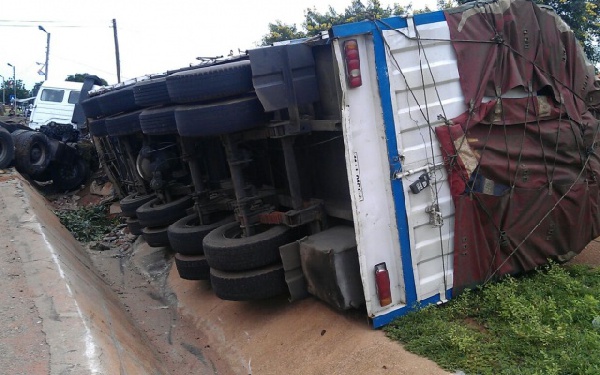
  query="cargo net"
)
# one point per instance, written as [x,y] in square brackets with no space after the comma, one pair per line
[522,159]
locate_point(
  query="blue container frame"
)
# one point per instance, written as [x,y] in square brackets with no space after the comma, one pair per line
[374,28]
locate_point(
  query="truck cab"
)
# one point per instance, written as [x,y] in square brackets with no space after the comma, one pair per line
[55,102]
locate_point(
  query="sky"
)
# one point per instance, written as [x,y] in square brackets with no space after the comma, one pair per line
[154,36]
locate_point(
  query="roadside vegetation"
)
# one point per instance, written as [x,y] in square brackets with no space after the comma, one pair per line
[547,322]
[87,223]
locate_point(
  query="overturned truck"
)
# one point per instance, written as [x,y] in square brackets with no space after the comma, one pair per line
[383,165]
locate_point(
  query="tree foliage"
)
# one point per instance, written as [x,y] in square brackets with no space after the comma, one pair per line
[315,22]
[279,31]
[80,77]
[9,90]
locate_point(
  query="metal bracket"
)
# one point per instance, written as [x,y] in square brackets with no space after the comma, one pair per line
[282,129]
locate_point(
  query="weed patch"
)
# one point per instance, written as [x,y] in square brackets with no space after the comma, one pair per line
[544,323]
[87,223]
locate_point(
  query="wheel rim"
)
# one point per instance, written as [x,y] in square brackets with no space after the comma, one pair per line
[37,154]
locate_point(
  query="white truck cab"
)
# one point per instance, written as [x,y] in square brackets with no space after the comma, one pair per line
[55,102]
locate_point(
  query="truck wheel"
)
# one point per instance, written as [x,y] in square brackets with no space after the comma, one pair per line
[192,267]
[67,177]
[158,121]
[186,235]
[97,128]
[223,117]
[134,226]
[32,153]
[156,214]
[156,236]
[131,203]
[151,92]
[117,101]
[126,124]
[227,250]
[255,284]
[7,148]
[209,83]
[91,107]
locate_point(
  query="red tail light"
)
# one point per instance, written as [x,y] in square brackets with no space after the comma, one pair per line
[382,282]
[352,63]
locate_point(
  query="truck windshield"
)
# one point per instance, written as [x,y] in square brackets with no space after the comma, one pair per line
[51,95]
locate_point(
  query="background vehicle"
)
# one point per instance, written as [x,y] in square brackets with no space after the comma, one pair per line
[55,102]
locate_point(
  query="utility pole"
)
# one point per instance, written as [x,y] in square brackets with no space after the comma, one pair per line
[3,89]
[114,22]
[14,87]
[47,51]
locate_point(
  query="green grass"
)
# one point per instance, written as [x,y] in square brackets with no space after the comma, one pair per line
[87,223]
[547,323]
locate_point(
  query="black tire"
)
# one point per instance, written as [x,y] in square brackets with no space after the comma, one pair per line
[125,124]
[186,235]
[255,284]
[97,128]
[131,203]
[91,107]
[156,236]
[117,101]
[67,177]
[158,121]
[134,226]
[227,250]
[151,92]
[32,153]
[7,148]
[192,267]
[156,214]
[210,83]
[224,117]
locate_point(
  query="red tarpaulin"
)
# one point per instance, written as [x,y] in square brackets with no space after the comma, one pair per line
[522,161]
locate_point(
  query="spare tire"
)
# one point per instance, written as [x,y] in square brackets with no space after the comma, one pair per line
[210,83]
[32,153]
[7,148]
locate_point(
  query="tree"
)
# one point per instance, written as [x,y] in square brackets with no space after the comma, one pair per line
[279,31]
[8,88]
[80,77]
[315,22]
